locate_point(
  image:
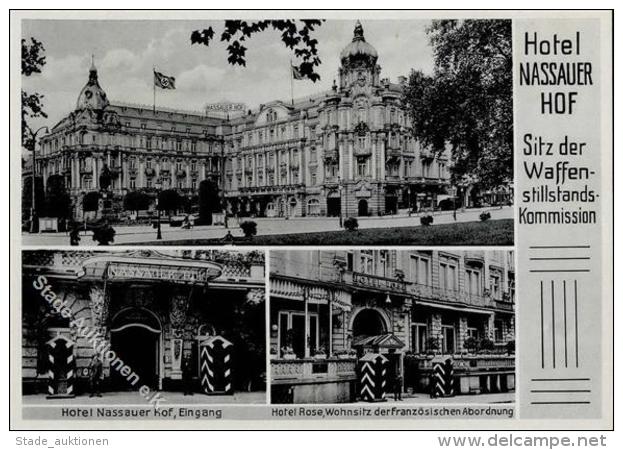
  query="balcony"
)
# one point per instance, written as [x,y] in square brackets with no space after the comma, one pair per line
[449,296]
[470,364]
[303,371]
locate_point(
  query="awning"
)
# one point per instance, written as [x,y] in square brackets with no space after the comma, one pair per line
[387,340]
[314,294]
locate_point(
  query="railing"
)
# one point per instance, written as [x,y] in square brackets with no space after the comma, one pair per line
[309,369]
[469,363]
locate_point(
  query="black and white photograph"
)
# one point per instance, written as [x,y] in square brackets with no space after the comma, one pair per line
[411,327]
[267,132]
[143,328]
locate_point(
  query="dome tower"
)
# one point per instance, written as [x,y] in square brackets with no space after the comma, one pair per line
[92,95]
[359,67]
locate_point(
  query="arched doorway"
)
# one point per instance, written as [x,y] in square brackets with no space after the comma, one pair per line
[362,207]
[136,341]
[334,206]
[368,322]
[292,207]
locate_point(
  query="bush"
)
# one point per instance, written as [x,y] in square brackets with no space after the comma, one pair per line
[486,345]
[351,224]
[249,228]
[426,220]
[485,216]
[471,344]
[446,204]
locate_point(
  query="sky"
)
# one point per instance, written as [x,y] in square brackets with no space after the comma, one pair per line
[125,53]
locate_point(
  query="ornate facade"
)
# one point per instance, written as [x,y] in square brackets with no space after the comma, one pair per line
[349,150]
[410,306]
[149,308]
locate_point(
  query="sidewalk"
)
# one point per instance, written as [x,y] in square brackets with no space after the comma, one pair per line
[127,234]
[506,397]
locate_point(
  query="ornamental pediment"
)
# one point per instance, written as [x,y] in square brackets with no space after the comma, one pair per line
[272,112]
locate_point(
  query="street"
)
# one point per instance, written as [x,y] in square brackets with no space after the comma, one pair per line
[135,399]
[131,234]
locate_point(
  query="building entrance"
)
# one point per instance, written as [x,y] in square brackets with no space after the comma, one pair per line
[135,339]
[334,206]
[363,208]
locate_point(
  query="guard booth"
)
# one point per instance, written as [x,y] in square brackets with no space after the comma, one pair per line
[62,367]
[442,377]
[372,374]
[215,357]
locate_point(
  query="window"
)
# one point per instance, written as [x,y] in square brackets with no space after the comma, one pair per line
[472,281]
[495,282]
[313,207]
[366,262]
[448,275]
[132,183]
[349,261]
[291,332]
[384,263]
[419,269]
[449,343]
[419,335]
[498,330]
[362,166]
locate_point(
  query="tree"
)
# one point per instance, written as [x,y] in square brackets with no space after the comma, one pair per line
[169,200]
[295,35]
[467,104]
[209,201]
[33,60]
[90,201]
[57,199]
[136,201]
[27,196]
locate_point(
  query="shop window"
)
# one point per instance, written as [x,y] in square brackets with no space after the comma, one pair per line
[291,331]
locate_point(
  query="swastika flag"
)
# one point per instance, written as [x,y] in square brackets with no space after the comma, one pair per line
[164,81]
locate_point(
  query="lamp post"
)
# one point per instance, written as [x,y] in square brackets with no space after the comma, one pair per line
[34,227]
[159,229]
[340,188]
[388,303]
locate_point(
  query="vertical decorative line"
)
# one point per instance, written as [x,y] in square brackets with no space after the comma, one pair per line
[564,292]
[575,283]
[542,332]
[553,329]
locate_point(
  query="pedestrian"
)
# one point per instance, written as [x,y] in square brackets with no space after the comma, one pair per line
[74,235]
[187,375]
[398,387]
[229,238]
[95,375]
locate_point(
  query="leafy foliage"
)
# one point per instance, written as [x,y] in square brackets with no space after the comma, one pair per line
[57,199]
[467,104]
[136,201]
[209,201]
[249,228]
[169,200]
[90,201]
[33,60]
[295,35]
[426,220]
[351,224]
